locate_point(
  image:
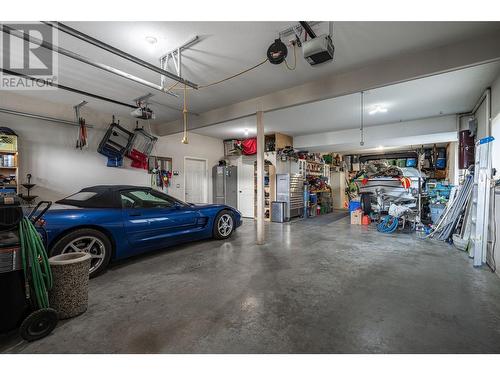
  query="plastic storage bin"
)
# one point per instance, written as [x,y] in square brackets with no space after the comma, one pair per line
[8,143]
[354,205]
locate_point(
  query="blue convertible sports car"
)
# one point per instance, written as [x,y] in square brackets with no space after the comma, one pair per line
[116,222]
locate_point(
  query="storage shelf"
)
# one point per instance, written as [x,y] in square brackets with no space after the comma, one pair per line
[9,170]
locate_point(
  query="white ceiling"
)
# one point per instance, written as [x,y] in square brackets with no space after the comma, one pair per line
[442,94]
[229,47]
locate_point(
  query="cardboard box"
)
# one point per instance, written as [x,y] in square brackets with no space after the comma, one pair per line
[356,217]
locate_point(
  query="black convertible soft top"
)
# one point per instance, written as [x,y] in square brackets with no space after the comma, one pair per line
[106,196]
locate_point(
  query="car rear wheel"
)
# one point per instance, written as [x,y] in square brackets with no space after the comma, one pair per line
[223,225]
[90,241]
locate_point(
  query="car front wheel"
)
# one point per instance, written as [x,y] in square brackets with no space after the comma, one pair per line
[90,241]
[223,225]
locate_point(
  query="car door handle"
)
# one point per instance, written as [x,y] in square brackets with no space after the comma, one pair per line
[135,214]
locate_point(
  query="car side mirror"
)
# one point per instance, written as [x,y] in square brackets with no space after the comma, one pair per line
[177,206]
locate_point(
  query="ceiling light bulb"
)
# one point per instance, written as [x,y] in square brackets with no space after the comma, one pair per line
[246,132]
[151,39]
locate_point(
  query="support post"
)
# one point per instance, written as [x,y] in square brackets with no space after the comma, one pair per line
[260,178]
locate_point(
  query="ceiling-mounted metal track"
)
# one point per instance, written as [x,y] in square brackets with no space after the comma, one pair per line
[67,88]
[308,29]
[19,34]
[41,117]
[175,55]
[297,27]
[87,38]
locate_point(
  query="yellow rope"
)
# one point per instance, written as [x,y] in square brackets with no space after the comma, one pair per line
[217,82]
[185,88]
[233,76]
[184,115]
[294,59]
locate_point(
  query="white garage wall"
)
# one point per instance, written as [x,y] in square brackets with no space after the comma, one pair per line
[200,146]
[416,132]
[495,98]
[47,150]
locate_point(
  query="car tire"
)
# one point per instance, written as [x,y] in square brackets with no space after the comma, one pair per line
[224,225]
[88,240]
[366,203]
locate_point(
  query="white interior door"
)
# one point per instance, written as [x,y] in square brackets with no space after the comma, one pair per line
[246,193]
[195,180]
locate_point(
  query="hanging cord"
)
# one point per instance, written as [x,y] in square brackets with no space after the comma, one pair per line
[185,112]
[294,58]
[184,115]
[233,76]
[361,129]
[173,87]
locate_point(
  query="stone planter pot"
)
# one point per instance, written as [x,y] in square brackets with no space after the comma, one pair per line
[70,293]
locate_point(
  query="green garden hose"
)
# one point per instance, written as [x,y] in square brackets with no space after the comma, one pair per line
[34,258]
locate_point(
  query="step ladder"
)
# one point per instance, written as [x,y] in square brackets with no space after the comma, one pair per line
[481,201]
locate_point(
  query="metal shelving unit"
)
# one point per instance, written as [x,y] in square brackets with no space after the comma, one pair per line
[9,171]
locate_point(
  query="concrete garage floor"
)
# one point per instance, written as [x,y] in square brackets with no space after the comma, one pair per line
[331,289]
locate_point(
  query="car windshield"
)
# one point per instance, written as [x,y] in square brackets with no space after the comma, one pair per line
[81,196]
[147,199]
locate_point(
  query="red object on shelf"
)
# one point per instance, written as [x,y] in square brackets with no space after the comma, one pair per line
[139,160]
[249,146]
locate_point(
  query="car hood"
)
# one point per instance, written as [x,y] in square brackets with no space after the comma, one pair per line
[208,205]
[213,205]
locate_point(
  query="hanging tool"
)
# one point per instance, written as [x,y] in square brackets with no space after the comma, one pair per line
[81,141]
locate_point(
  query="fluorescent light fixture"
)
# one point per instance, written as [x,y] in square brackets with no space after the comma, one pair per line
[377,109]
[151,39]
[245,132]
